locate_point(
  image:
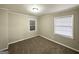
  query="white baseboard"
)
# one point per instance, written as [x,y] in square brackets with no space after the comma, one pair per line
[16,42]
[60,43]
[20,40]
[43,37]
[3,49]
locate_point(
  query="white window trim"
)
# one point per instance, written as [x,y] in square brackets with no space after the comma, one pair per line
[72,26]
[32,18]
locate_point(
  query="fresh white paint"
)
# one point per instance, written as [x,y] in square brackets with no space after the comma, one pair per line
[16,25]
[43,8]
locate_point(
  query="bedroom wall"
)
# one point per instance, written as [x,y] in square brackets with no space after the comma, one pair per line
[18,27]
[14,28]
[46,28]
[3,29]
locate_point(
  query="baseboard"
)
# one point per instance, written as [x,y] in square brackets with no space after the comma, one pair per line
[43,37]
[3,49]
[20,40]
[16,42]
[60,43]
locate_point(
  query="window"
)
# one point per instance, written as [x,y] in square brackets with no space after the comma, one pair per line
[32,25]
[63,25]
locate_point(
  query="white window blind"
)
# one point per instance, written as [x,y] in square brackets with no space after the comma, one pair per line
[63,25]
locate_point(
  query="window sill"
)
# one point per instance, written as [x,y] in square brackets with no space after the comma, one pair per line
[64,36]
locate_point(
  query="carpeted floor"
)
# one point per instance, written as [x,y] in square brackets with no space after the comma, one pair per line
[38,45]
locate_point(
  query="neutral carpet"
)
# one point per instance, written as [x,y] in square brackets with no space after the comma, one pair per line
[38,45]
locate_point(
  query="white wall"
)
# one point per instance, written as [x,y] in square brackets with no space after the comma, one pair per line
[14,28]
[18,27]
[3,29]
[46,28]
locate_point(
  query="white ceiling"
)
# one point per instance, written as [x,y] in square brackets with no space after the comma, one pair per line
[44,8]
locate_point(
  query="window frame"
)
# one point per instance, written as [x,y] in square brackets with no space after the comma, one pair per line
[72,37]
[34,19]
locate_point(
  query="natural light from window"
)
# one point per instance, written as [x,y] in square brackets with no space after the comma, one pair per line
[63,25]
